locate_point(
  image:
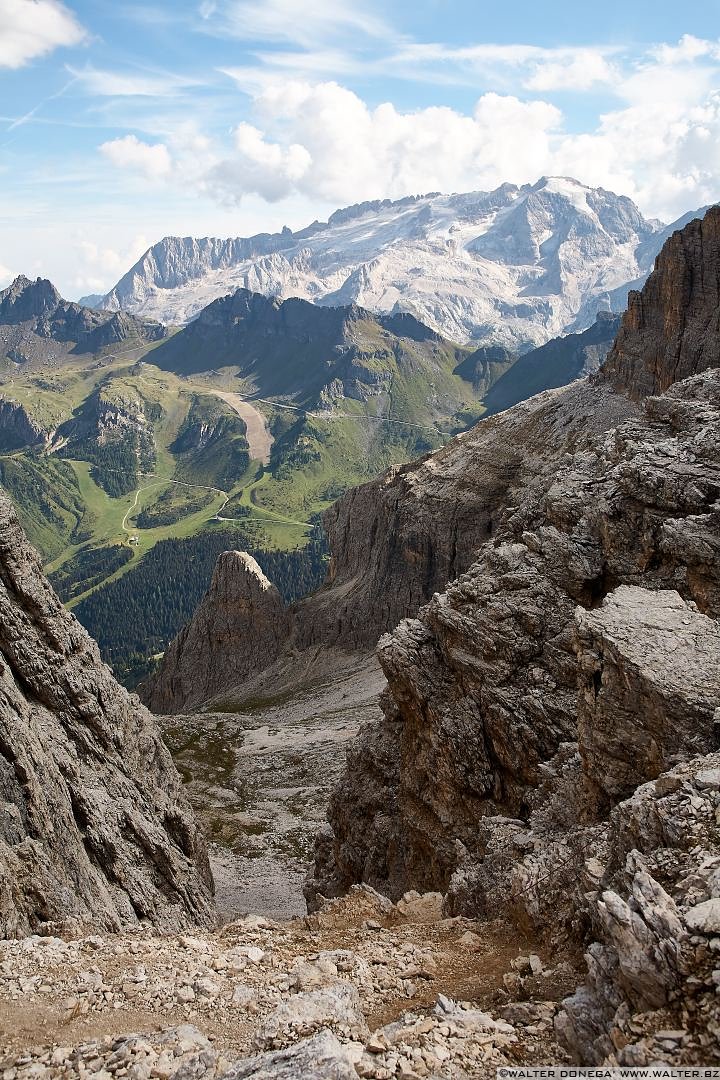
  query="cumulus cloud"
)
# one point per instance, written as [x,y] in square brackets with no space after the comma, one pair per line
[6,276]
[658,141]
[660,145]
[33,28]
[99,263]
[339,150]
[150,160]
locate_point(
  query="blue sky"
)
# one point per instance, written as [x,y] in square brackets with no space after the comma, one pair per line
[124,122]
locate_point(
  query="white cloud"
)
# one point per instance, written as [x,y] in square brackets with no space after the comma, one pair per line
[531,67]
[583,69]
[339,150]
[152,161]
[99,263]
[658,140]
[33,28]
[102,83]
[308,24]
[259,166]
[688,48]
[6,276]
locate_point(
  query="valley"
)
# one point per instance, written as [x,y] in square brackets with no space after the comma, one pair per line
[428,659]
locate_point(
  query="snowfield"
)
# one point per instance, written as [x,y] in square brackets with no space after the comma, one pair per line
[515,266]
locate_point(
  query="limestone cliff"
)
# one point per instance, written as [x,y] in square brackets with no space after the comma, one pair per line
[483,683]
[672,327]
[237,630]
[95,829]
[575,660]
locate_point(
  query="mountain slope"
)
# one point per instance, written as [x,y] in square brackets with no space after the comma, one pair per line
[38,327]
[514,266]
[556,363]
[548,752]
[314,355]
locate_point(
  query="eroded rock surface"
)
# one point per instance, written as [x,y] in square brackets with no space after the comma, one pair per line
[95,828]
[237,630]
[672,327]
[574,660]
[649,669]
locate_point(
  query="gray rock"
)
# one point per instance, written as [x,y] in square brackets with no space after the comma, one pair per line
[704,918]
[95,826]
[236,630]
[672,328]
[337,1007]
[649,671]
[322,1057]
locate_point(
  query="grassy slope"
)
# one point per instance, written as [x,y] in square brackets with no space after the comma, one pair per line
[315,456]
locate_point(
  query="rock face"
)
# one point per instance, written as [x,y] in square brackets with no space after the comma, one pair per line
[237,630]
[672,328]
[548,751]
[649,680]
[483,683]
[95,828]
[515,266]
[18,428]
[402,537]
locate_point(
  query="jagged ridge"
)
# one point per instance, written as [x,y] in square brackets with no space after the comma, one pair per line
[514,266]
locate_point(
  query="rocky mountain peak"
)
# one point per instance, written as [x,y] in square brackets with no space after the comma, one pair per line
[95,829]
[238,578]
[26,299]
[37,325]
[237,630]
[515,266]
[672,326]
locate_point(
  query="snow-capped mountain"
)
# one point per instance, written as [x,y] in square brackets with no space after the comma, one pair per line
[515,266]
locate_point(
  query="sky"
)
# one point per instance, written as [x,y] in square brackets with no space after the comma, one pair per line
[123,122]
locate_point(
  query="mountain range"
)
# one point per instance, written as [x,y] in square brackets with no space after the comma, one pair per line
[515,266]
[38,327]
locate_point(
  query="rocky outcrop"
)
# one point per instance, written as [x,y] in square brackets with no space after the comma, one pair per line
[18,428]
[549,745]
[649,687]
[483,684]
[95,829]
[399,539]
[672,328]
[237,630]
[651,961]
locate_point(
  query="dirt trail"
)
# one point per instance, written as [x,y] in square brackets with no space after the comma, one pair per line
[65,993]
